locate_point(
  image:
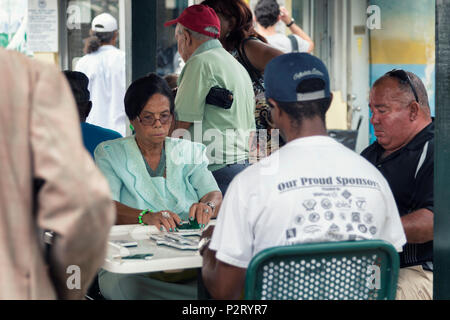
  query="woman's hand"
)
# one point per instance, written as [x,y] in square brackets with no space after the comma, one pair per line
[202,212]
[165,218]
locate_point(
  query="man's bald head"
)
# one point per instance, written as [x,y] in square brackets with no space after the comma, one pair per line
[398,114]
[405,87]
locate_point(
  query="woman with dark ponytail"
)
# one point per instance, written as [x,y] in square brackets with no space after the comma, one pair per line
[104,65]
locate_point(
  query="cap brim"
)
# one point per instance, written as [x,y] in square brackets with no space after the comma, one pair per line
[171,22]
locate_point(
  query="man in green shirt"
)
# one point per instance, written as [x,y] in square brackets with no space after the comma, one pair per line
[215,99]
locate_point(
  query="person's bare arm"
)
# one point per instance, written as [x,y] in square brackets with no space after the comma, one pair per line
[202,212]
[125,214]
[295,29]
[259,53]
[418,226]
[216,198]
[128,215]
[222,280]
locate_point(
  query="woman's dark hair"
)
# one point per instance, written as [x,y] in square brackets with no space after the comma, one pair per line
[244,21]
[96,40]
[141,90]
[267,12]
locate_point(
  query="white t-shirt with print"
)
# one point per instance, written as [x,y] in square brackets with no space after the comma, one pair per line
[282,43]
[312,190]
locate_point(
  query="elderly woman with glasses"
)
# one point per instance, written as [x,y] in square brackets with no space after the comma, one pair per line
[155,180]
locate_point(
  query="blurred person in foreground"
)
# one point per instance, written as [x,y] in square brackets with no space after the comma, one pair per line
[48,182]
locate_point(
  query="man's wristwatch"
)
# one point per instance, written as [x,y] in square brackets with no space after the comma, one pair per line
[212,205]
[290,23]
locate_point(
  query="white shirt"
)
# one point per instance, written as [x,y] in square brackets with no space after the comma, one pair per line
[106,72]
[312,190]
[282,43]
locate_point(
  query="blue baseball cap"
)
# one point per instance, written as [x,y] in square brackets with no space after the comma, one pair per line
[284,73]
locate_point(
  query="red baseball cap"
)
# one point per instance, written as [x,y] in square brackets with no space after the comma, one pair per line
[199,18]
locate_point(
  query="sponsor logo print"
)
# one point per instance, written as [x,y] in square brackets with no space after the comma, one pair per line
[326,204]
[368,218]
[334,228]
[362,228]
[346,194]
[361,204]
[299,219]
[343,204]
[329,215]
[309,204]
[334,236]
[291,233]
[314,217]
[312,229]
[356,217]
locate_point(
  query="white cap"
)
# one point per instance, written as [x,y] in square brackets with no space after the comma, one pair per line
[104,23]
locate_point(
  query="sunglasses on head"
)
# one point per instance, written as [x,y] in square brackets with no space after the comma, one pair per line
[403,76]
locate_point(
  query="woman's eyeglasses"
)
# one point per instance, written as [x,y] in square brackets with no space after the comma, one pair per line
[149,120]
[402,75]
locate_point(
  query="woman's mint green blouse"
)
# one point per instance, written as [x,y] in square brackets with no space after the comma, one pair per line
[187,176]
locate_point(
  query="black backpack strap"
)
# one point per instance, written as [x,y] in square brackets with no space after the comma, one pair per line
[254,73]
[294,43]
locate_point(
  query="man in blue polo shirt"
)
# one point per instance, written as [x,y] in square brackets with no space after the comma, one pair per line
[404,154]
[92,134]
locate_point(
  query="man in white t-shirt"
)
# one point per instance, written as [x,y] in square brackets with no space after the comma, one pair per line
[268,13]
[312,190]
[104,65]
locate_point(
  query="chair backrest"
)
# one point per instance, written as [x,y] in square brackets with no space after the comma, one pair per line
[347,270]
